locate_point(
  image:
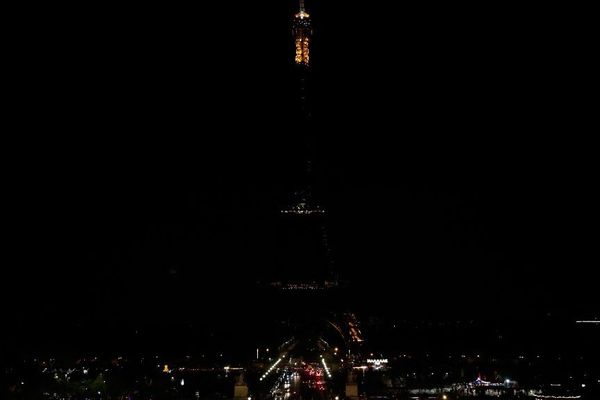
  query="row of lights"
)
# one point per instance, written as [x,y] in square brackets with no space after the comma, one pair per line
[271,369]
[325,366]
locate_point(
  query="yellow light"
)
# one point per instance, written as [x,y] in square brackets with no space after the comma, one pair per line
[302,15]
[302,50]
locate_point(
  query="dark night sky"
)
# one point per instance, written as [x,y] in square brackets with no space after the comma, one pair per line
[155,146]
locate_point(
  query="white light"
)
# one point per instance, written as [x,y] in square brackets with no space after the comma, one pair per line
[182,382]
[325,366]
[377,360]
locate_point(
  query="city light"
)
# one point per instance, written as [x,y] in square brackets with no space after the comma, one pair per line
[377,361]
[325,366]
[271,368]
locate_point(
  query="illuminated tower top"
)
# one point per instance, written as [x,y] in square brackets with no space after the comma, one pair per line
[302,30]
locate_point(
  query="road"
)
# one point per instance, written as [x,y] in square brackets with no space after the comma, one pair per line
[298,380]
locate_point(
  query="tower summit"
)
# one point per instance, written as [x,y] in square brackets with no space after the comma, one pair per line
[302,30]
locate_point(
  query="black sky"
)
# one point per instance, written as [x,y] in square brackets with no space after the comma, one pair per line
[154,147]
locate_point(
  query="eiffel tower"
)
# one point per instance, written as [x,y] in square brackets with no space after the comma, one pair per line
[304,258]
[312,318]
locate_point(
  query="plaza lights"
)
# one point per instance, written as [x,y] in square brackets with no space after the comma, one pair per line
[271,368]
[325,366]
